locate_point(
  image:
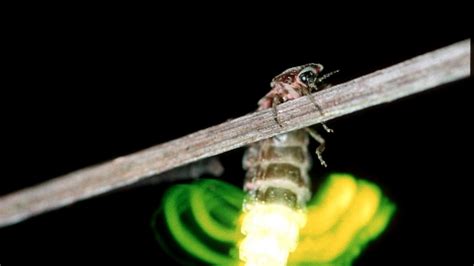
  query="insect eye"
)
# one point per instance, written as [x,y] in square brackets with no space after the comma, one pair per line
[307,77]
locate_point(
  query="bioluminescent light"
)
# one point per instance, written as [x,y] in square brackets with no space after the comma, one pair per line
[203,221]
[199,221]
[271,233]
[280,222]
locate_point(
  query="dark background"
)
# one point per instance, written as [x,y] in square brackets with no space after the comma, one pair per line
[82,94]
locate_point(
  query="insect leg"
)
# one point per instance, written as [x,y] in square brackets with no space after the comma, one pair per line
[322,144]
[308,93]
[328,129]
[276,101]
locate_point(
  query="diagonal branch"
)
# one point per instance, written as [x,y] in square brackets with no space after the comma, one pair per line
[415,75]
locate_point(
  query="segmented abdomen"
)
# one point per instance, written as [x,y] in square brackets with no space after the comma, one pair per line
[277,169]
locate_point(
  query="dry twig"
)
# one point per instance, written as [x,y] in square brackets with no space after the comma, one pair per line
[415,75]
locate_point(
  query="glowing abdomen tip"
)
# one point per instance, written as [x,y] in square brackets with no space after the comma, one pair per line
[271,232]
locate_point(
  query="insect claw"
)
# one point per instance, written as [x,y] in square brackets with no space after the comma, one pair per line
[321,160]
[319,151]
[328,129]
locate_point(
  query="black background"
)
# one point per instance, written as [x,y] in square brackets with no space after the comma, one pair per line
[82,94]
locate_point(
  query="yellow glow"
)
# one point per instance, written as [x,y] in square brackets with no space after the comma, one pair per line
[330,205]
[271,232]
[347,206]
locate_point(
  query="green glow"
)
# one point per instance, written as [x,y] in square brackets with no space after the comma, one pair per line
[205,204]
[204,220]
[172,209]
[214,206]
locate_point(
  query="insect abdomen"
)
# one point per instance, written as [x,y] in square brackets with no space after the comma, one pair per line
[277,169]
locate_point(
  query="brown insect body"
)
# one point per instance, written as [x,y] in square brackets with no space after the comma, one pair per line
[277,168]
